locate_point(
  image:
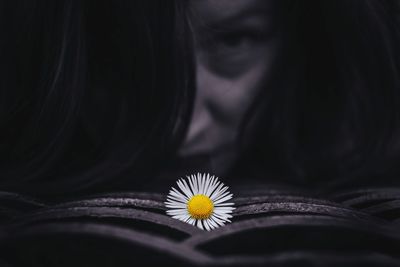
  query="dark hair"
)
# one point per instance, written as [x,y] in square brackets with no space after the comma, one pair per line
[91,92]
[332,111]
[99,94]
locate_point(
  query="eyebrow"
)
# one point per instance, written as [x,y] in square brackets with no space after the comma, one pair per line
[243,15]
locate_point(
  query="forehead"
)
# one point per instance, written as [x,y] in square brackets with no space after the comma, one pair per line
[216,10]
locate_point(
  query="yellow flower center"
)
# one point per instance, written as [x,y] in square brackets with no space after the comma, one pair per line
[200,207]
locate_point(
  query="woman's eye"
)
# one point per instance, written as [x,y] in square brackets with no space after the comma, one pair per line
[231,42]
[236,40]
[231,53]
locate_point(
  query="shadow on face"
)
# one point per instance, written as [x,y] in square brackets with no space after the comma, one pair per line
[235,47]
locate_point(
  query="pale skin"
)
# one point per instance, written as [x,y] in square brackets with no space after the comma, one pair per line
[235,52]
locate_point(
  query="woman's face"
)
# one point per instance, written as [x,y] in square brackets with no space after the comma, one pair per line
[235,48]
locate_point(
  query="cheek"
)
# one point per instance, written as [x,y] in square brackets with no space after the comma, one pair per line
[229,96]
[222,100]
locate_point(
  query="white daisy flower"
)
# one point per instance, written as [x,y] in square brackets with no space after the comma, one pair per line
[201,202]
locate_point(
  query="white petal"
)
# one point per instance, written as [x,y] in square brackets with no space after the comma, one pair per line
[222,217]
[207,184]
[199,182]
[193,184]
[176,206]
[212,223]
[224,208]
[225,204]
[220,192]
[223,199]
[178,195]
[185,188]
[206,225]
[185,218]
[199,224]
[175,201]
[196,183]
[203,184]
[210,186]
[177,211]
[214,186]
[180,217]
[216,191]
[190,184]
[172,198]
[208,180]
[217,220]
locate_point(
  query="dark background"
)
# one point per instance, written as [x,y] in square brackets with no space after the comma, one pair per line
[97,104]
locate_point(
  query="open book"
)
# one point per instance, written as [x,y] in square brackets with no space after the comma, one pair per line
[269,228]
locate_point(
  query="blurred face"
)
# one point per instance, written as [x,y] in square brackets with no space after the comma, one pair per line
[236,45]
